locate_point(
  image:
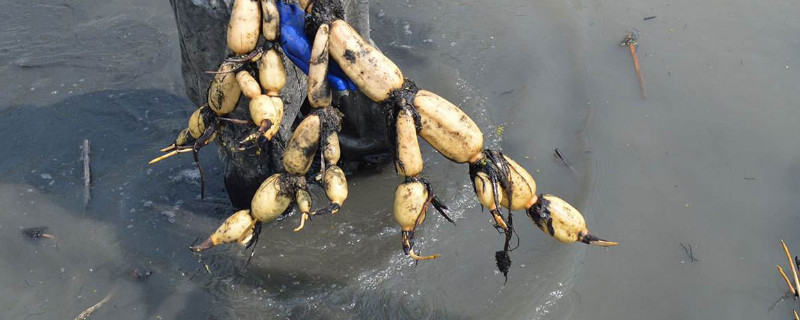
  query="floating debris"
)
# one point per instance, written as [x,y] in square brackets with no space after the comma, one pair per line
[86,313]
[632,41]
[793,289]
[689,252]
[500,130]
[564,160]
[87,173]
[649,18]
[37,233]
[140,274]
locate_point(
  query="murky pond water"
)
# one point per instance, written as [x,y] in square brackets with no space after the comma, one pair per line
[709,161]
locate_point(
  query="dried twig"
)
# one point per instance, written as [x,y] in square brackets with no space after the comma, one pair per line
[564,160]
[788,283]
[791,265]
[631,41]
[689,252]
[86,313]
[87,174]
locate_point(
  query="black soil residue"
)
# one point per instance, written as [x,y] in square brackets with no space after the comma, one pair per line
[323,12]
[503,261]
[350,56]
[34,232]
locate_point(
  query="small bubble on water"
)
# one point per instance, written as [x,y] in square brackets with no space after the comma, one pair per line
[46,176]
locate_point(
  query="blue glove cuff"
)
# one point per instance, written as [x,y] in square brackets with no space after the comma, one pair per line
[298,49]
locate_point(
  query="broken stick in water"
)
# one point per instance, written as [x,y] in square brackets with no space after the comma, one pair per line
[86,313]
[564,160]
[689,252]
[632,41]
[87,173]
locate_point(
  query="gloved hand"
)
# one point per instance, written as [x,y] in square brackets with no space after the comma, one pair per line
[297,47]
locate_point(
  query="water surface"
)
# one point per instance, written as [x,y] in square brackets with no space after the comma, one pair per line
[708,160]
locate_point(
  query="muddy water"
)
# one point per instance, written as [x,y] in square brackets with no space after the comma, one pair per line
[708,160]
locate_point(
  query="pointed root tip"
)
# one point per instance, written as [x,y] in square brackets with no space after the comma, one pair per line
[588,238]
[203,246]
[169,148]
[333,209]
[249,138]
[418,258]
[158,159]
[302,223]
[604,243]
